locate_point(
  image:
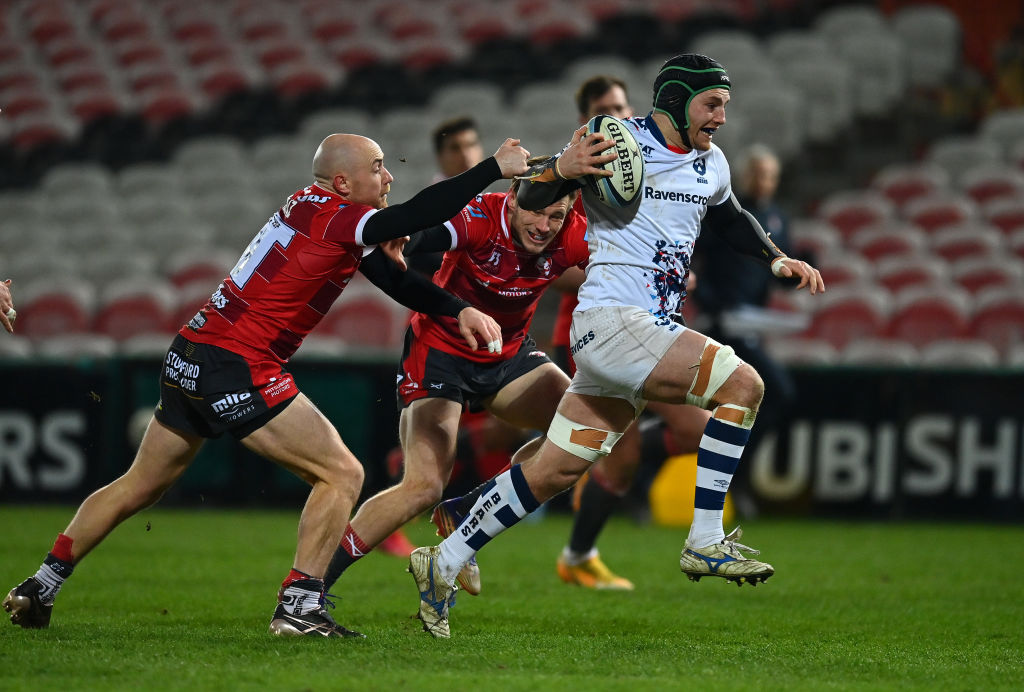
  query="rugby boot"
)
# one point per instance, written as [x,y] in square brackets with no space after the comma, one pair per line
[445,518]
[724,559]
[592,574]
[436,595]
[315,623]
[26,607]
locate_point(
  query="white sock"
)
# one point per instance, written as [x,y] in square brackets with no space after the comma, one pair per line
[51,583]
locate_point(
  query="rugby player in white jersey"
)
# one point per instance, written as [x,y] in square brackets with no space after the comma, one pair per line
[628,341]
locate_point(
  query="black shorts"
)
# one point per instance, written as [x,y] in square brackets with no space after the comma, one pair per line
[428,372]
[207,390]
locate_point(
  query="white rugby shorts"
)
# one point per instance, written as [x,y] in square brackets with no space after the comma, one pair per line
[615,349]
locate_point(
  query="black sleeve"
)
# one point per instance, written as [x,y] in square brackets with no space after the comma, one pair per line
[434,239]
[411,289]
[542,185]
[432,205]
[741,230]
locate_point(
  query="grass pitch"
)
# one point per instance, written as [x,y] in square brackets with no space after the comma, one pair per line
[181,600]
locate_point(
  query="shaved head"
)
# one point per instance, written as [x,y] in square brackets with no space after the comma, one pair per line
[353,167]
[339,153]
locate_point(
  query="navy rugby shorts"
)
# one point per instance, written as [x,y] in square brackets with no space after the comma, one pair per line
[207,391]
[427,372]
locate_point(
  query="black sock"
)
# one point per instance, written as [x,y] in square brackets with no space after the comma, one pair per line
[340,562]
[596,505]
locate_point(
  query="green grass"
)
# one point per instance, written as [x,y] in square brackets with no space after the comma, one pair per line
[185,605]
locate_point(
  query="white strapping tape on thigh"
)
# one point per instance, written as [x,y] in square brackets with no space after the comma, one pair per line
[581,440]
[717,363]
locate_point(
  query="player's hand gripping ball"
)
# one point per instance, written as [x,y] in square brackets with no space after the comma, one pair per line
[627,169]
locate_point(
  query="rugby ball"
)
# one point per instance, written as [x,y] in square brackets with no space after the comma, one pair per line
[627,169]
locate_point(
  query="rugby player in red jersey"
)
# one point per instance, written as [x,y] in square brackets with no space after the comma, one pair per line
[500,257]
[225,372]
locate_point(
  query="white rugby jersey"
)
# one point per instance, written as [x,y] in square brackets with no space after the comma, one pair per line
[640,255]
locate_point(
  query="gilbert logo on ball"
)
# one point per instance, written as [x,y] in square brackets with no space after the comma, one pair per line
[627,168]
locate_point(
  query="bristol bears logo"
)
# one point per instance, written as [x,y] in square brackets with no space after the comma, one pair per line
[700,166]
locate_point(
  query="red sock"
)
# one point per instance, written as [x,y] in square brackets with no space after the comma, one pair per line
[62,549]
[295,575]
[353,544]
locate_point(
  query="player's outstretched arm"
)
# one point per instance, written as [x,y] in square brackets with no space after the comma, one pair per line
[742,231]
[559,175]
[7,312]
[411,289]
[441,201]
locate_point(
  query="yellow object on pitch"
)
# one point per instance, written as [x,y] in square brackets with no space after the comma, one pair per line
[671,495]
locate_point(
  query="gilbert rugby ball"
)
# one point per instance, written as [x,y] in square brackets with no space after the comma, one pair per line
[627,170]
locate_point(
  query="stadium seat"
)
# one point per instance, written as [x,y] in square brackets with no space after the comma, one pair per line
[992,181]
[878,59]
[827,85]
[86,178]
[848,313]
[103,266]
[879,352]
[959,153]
[203,265]
[850,210]
[960,241]
[813,237]
[729,46]
[902,182]
[15,347]
[320,347]
[74,346]
[468,98]
[934,211]
[979,273]
[932,36]
[189,300]
[803,351]
[1005,213]
[366,321]
[145,345]
[54,306]
[1015,243]
[998,318]
[900,272]
[791,45]
[1015,357]
[132,306]
[922,315]
[844,269]
[879,240]
[1004,127]
[960,353]
[850,20]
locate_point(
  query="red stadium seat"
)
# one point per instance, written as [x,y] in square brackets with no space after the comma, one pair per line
[358,51]
[50,307]
[130,307]
[293,79]
[482,24]
[992,181]
[845,314]
[33,130]
[961,241]
[27,100]
[365,320]
[69,50]
[1005,213]
[422,53]
[849,211]
[163,104]
[882,240]
[223,77]
[277,50]
[979,273]
[1015,243]
[935,211]
[92,104]
[898,273]
[88,74]
[999,318]
[190,300]
[904,182]
[199,265]
[924,315]
[136,51]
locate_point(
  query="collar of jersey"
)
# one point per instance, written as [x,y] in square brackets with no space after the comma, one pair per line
[655,131]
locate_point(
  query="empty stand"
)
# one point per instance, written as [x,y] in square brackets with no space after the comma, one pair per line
[998,318]
[54,306]
[133,306]
[960,353]
[848,313]
[876,352]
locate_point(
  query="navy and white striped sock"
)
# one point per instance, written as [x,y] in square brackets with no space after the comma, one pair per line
[505,500]
[717,458]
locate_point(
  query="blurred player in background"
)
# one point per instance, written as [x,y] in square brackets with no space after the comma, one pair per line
[630,345]
[7,312]
[724,291]
[502,257]
[224,371]
[456,146]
